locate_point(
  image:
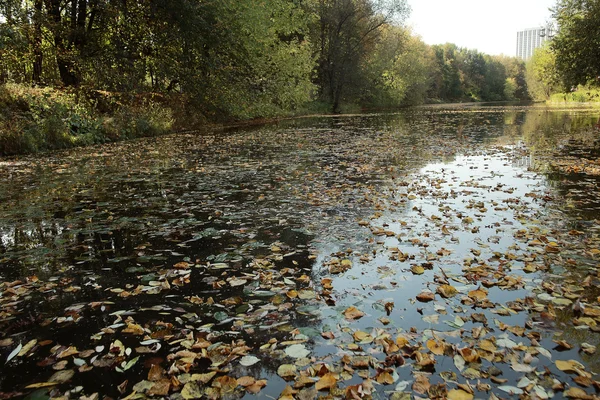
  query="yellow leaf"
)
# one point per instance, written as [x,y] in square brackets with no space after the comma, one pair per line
[478,294]
[385,378]
[41,385]
[417,270]
[353,313]
[436,347]
[571,366]
[327,381]
[457,394]
[447,291]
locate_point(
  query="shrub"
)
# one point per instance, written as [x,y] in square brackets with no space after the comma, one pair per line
[34,119]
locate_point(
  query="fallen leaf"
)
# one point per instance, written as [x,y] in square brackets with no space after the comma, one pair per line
[14,353]
[436,346]
[287,371]
[327,381]
[191,390]
[297,351]
[426,296]
[62,376]
[353,313]
[447,291]
[458,394]
[247,361]
[421,384]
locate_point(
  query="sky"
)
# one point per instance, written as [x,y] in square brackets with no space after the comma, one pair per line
[485,25]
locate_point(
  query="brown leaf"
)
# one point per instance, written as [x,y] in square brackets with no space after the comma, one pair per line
[257,386]
[246,381]
[156,373]
[226,383]
[328,335]
[469,354]
[160,388]
[288,393]
[577,393]
[421,384]
[478,294]
[426,296]
[327,381]
[447,291]
[384,378]
[353,313]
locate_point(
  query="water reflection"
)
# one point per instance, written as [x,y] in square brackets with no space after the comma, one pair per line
[107,225]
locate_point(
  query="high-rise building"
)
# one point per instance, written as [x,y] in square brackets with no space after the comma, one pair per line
[530,39]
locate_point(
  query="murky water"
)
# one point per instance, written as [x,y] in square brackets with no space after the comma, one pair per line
[223,244]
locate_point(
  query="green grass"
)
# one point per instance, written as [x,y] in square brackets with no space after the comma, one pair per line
[581,95]
[40,119]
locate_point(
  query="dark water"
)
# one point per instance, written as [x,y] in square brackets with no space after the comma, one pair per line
[226,236]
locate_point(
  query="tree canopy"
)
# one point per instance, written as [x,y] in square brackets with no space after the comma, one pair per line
[244,58]
[577,43]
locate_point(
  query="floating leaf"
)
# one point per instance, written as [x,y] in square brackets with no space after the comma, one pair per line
[447,291]
[14,353]
[512,390]
[287,371]
[247,361]
[297,351]
[191,390]
[479,294]
[426,296]
[327,381]
[62,376]
[352,313]
[417,270]
[436,346]
[570,366]
[458,394]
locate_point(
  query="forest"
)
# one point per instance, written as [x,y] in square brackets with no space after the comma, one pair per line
[77,72]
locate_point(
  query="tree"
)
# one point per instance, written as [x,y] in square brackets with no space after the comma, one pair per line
[397,71]
[345,33]
[543,77]
[446,80]
[577,43]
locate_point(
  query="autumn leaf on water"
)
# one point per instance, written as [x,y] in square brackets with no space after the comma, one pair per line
[459,394]
[447,291]
[436,346]
[426,296]
[327,381]
[479,294]
[353,313]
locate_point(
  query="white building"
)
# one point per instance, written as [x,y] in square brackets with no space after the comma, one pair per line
[530,39]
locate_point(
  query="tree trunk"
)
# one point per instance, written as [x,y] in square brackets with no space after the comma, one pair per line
[38,56]
[66,65]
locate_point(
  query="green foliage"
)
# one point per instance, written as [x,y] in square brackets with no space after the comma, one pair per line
[577,43]
[117,62]
[35,120]
[510,89]
[582,94]
[543,78]
[397,70]
[346,34]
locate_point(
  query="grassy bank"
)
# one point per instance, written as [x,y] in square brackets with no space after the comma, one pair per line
[581,95]
[40,119]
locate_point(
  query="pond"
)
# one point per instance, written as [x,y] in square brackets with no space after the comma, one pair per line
[435,252]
